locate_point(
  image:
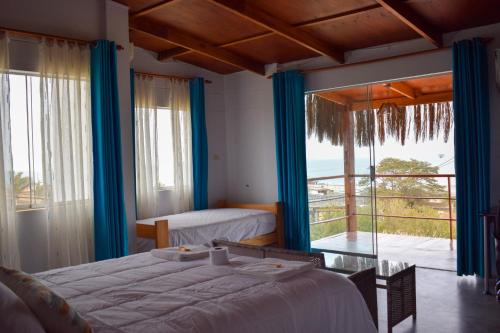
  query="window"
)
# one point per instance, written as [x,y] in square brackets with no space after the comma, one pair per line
[26,141]
[162,146]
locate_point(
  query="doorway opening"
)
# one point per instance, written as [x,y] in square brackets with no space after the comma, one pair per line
[381,177]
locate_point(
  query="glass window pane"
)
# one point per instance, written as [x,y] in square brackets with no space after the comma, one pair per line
[26,133]
[19,139]
[165,149]
[35,137]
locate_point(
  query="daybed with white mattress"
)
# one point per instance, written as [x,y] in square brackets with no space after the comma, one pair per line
[143,293]
[253,224]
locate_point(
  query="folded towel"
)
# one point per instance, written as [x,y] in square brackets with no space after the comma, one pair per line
[275,269]
[181,253]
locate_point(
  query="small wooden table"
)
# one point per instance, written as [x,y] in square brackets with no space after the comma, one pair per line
[399,280]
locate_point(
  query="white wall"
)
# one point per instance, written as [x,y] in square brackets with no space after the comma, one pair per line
[71,18]
[251,158]
[32,227]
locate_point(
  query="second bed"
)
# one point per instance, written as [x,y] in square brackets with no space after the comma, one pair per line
[253,224]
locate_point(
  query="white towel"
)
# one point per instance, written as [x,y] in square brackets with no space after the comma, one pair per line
[275,269]
[191,252]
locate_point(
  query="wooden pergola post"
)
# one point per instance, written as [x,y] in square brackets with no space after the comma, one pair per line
[349,181]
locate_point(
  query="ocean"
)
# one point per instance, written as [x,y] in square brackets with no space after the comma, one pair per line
[334,167]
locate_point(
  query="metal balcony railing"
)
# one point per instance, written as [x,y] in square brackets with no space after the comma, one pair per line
[449,198]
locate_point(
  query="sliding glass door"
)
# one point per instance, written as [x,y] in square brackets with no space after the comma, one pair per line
[341,172]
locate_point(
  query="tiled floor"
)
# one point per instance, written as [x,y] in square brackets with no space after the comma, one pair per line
[447,303]
[421,251]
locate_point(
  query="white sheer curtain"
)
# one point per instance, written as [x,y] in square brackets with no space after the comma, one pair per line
[181,138]
[146,147]
[154,95]
[67,151]
[9,250]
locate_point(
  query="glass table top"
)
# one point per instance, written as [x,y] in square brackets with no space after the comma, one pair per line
[351,264]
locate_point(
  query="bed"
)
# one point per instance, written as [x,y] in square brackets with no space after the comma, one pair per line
[253,224]
[142,293]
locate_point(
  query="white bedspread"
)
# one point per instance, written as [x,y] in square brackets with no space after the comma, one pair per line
[141,293]
[200,227]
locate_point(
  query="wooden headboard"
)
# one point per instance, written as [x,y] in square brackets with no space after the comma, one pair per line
[276,208]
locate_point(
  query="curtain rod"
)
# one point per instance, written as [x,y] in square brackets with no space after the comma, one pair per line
[164,76]
[486,40]
[24,33]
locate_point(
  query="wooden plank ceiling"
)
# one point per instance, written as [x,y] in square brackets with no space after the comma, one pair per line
[227,36]
[431,89]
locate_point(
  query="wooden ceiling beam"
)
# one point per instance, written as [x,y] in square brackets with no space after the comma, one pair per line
[264,19]
[403,101]
[152,8]
[406,15]
[402,89]
[309,23]
[170,53]
[180,38]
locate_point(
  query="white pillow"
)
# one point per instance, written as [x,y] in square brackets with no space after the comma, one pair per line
[15,316]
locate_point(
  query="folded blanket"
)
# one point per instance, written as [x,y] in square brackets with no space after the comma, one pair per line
[181,253]
[275,269]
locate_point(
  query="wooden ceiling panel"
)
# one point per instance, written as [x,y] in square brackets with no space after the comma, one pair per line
[273,49]
[298,11]
[208,63]
[194,43]
[420,86]
[452,15]
[150,43]
[432,84]
[374,27]
[136,5]
[299,26]
[206,20]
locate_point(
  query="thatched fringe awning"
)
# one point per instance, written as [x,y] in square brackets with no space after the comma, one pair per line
[325,119]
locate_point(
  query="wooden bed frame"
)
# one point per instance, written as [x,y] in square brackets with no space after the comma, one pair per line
[160,233]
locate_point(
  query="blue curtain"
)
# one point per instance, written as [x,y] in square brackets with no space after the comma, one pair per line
[289,122]
[199,142]
[472,151]
[110,222]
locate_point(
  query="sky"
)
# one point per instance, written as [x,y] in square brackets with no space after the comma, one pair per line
[437,152]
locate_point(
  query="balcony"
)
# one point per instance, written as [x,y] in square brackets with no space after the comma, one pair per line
[419,229]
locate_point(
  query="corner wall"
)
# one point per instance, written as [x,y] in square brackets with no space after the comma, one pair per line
[250,143]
